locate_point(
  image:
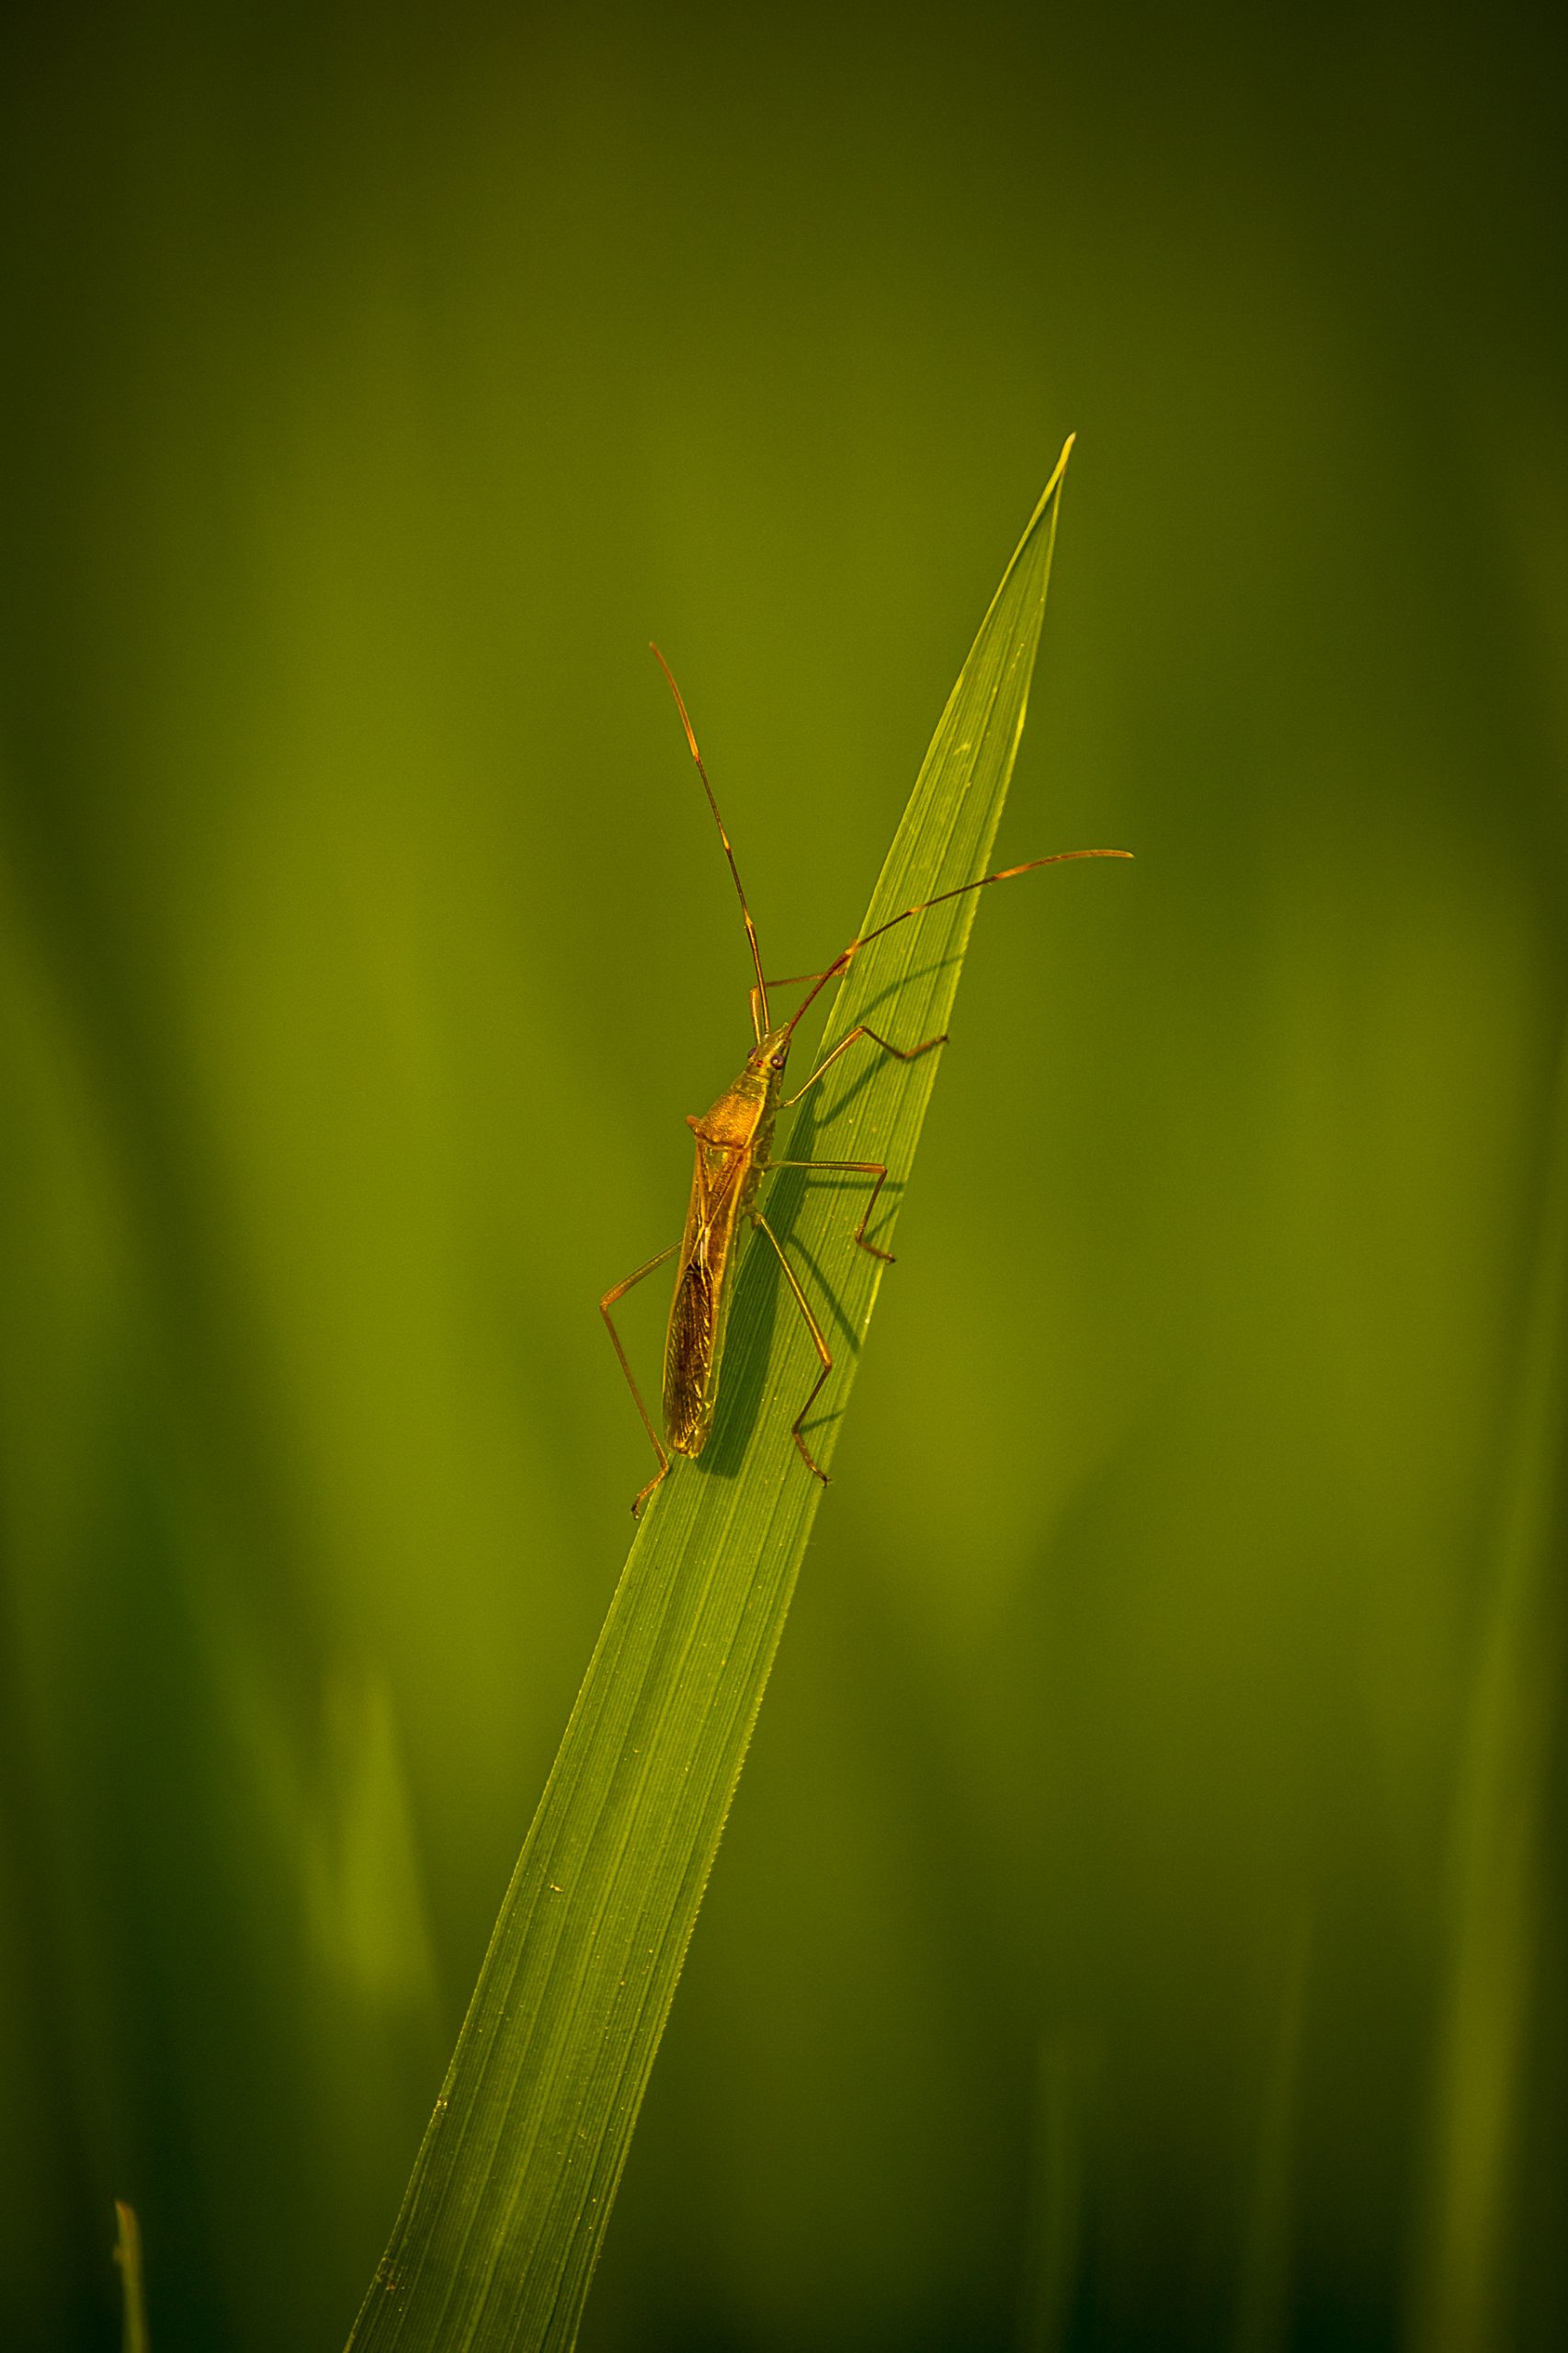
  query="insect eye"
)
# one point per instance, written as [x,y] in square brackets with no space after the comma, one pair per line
[778,1062]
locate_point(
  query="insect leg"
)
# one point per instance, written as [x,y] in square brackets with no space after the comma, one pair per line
[605,1303]
[854,1168]
[821,1346]
[904,1053]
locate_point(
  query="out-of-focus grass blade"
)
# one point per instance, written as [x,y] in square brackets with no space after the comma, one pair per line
[133,2295]
[1263,2284]
[1459,2292]
[508,2201]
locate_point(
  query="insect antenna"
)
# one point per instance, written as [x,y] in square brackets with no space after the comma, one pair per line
[1003,874]
[759,1018]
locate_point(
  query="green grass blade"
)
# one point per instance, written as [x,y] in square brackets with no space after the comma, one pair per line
[506,2208]
[1500,1836]
[133,2295]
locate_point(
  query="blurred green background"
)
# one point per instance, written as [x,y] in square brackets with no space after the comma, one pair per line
[1141,1924]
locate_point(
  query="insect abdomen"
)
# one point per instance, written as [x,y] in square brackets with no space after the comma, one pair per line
[691,1361]
[732,1143]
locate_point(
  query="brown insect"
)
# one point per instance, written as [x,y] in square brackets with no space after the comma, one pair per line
[733,1144]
